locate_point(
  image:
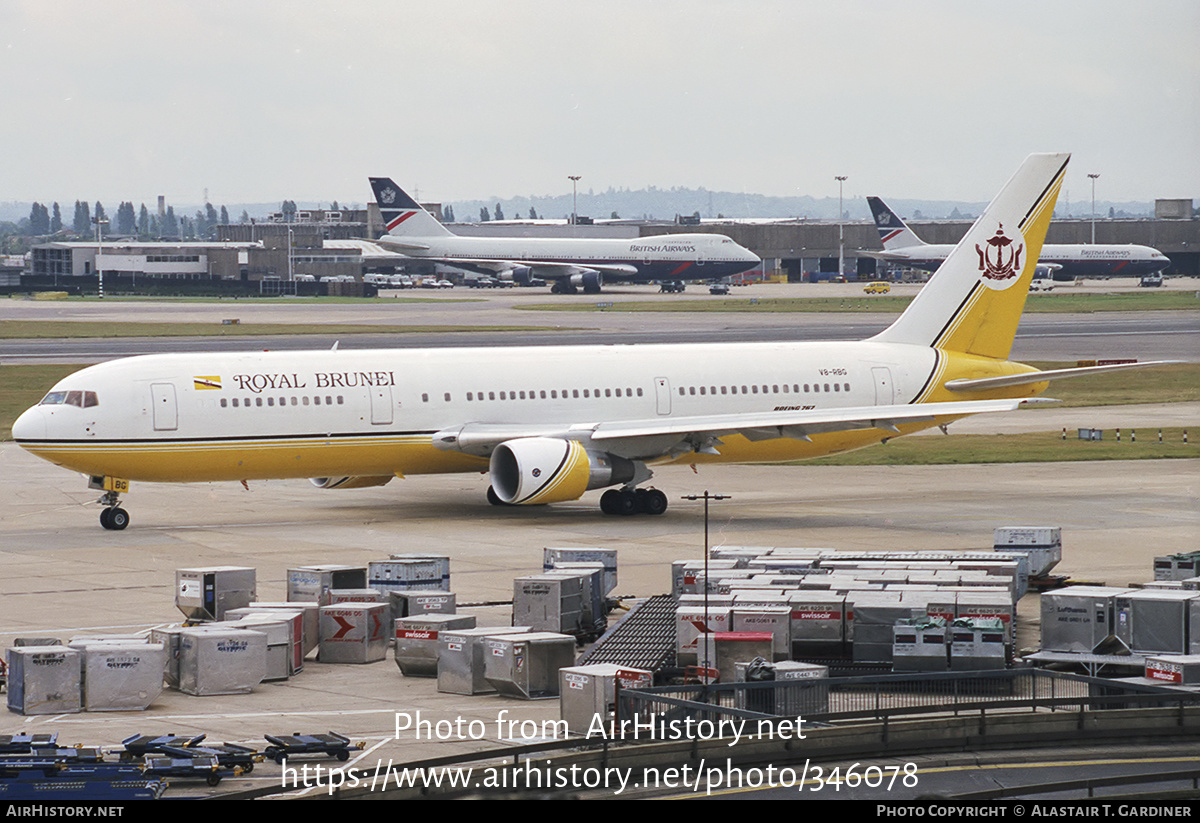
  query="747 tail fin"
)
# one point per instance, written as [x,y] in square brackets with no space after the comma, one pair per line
[893,232]
[403,216]
[973,302]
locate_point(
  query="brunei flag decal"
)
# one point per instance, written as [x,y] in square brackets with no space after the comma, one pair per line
[203,382]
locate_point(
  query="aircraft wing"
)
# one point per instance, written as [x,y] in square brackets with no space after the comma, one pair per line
[545,269]
[1026,378]
[672,436]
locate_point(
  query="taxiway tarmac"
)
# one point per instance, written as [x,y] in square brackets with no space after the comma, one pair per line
[62,575]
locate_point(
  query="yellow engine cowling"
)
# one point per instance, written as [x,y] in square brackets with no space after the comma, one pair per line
[533,470]
[350,482]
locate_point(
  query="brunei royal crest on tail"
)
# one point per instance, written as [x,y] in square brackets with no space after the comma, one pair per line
[388,196]
[1000,258]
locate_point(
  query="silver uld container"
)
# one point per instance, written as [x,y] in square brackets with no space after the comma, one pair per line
[552,559]
[311,620]
[801,688]
[121,677]
[421,602]
[207,593]
[1042,544]
[337,596]
[976,645]
[549,602]
[297,633]
[587,694]
[312,583]
[44,680]
[1078,618]
[354,633]
[1154,620]
[461,663]
[417,640]
[409,573]
[526,665]
[281,644]
[1178,669]
[221,660]
[921,646]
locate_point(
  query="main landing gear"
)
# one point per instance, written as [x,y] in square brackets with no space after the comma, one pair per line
[112,516]
[633,501]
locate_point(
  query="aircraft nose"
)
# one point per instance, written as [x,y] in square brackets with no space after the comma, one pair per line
[29,426]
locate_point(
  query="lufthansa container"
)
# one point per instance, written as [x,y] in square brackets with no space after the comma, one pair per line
[44,680]
[417,641]
[311,584]
[354,633]
[607,558]
[207,593]
[461,661]
[587,694]
[526,665]
[1078,618]
[221,660]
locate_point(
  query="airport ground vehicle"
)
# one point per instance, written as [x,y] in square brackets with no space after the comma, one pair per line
[878,287]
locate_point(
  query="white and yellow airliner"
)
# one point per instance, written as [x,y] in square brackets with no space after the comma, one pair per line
[550,423]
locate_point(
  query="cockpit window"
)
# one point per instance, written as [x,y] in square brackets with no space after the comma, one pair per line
[83,399]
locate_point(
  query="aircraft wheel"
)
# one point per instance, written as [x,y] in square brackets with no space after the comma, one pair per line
[105,520]
[493,498]
[626,503]
[609,501]
[654,502]
[118,519]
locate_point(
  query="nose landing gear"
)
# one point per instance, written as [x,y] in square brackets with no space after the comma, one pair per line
[112,516]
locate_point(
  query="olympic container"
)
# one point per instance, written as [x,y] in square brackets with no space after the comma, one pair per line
[220,660]
[121,676]
[44,680]
[354,633]
[207,593]
[690,624]
[587,694]
[461,661]
[526,665]
[417,640]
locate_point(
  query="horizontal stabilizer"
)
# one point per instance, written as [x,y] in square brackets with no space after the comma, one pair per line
[985,383]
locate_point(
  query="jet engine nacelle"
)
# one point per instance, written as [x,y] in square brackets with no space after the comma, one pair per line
[521,275]
[535,470]
[589,281]
[350,482]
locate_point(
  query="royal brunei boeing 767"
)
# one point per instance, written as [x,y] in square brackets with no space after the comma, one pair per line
[550,423]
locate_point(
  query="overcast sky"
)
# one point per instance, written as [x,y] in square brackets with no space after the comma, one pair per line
[260,101]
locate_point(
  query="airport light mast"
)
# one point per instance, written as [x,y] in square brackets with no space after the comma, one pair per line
[705,497]
[1093,179]
[574,178]
[841,178]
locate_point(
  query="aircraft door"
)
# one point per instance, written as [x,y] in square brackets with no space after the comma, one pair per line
[381,405]
[884,393]
[165,410]
[662,392]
